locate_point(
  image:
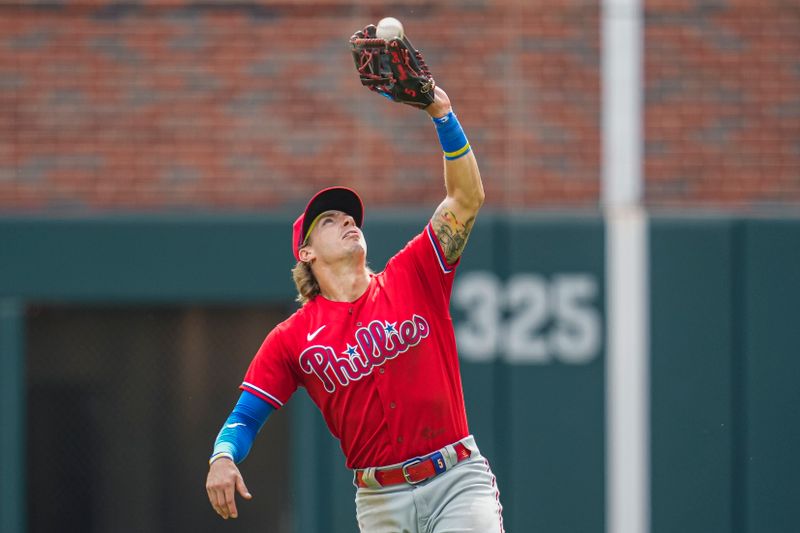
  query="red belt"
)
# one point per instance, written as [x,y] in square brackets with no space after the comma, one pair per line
[415,470]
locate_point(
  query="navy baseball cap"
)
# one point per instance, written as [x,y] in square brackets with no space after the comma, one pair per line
[333,198]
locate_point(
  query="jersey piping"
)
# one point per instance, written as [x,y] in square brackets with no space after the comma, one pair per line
[261,392]
[438,249]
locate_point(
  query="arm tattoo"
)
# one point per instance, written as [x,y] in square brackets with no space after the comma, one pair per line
[451,233]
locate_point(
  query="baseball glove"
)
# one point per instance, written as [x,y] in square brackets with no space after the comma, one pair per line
[392,68]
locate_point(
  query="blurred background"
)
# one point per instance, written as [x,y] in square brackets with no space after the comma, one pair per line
[154,153]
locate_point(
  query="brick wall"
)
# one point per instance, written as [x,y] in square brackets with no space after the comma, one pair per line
[170,104]
[723,103]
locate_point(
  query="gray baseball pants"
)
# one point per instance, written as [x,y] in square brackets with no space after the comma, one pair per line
[463,499]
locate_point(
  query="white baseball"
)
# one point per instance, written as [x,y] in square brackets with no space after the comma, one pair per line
[389,28]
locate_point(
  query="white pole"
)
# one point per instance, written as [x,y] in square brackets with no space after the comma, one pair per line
[627,383]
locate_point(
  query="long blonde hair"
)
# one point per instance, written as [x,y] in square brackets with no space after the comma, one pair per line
[307,285]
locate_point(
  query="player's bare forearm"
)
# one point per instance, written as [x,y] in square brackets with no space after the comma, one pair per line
[462,180]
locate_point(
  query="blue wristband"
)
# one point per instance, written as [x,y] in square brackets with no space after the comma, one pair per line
[451,136]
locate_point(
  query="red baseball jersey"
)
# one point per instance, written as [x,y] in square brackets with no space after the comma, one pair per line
[383,369]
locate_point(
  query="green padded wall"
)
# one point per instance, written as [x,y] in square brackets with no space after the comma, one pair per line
[771,388]
[555,437]
[692,351]
[529,304]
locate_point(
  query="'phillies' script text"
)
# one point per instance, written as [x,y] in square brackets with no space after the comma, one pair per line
[376,343]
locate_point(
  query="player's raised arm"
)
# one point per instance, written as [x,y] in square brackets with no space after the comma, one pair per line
[453,219]
[388,64]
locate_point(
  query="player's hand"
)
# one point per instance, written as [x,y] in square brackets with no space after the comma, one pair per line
[224,480]
[441,103]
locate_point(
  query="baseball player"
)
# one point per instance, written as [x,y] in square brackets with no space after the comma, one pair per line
[377,352]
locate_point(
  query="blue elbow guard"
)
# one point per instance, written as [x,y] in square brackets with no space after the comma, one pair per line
[240,429]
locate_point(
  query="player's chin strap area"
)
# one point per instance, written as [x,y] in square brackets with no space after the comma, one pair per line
[418,469]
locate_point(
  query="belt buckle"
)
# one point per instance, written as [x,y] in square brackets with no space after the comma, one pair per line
[406,475]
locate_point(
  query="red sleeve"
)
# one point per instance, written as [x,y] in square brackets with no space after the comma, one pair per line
[270,376]
[424,258]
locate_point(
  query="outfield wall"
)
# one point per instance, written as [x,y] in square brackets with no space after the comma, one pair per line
[528,307]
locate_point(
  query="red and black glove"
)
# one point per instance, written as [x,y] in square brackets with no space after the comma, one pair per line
[392,68]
